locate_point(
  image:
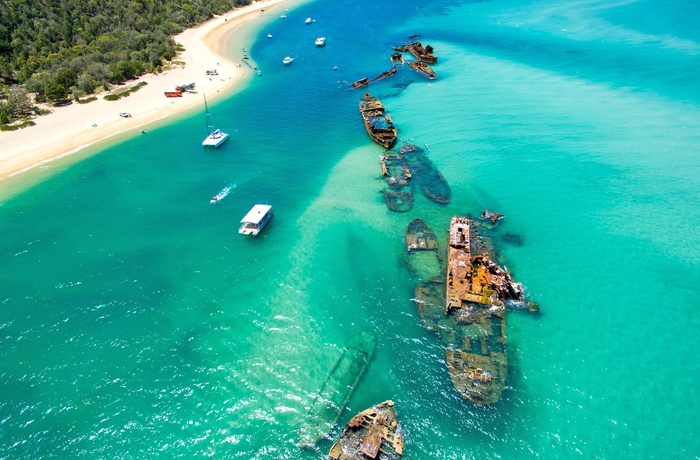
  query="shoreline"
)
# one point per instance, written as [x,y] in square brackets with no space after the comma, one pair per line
[68,130]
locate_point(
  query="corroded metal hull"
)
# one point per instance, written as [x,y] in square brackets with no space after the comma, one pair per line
[379,126]
[374,433]
[422,53]
[423,69]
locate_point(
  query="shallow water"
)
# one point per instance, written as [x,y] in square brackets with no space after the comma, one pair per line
[135,321]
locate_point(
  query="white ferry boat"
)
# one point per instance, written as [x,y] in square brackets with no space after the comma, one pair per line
[256,219]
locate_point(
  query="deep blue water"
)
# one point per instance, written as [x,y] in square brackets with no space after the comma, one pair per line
[135,321]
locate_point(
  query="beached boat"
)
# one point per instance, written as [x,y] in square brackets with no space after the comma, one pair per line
[378,124]
[423,69]
[422,251]
[398,193]
[337,389]
[288,60]
[430,180]
[321,41]
[216,137]
[256,219]
[374,433]
[424,54]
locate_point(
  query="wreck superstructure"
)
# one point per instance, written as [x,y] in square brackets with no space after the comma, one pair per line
[378,124]
[374,433]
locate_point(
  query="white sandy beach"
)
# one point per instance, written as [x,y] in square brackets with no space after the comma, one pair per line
[69,129]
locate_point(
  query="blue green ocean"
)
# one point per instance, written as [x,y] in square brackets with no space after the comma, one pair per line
[135,322]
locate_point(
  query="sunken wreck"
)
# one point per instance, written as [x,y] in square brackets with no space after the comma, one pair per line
[374,433]
[378,124]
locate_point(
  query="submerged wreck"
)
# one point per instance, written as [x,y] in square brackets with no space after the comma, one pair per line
[423,69]
[467,311]
[431,181]
[422,251]
[491,216]
[398,193]
[379,125]
[475,292]
[374,433]
[337,389]
[366,81]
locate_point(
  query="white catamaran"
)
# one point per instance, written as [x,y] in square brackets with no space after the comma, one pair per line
[216,137]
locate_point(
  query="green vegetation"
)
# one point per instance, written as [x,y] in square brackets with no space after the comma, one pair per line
[125,93]
[68,48]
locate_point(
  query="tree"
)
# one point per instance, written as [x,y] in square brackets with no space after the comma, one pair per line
[55,91]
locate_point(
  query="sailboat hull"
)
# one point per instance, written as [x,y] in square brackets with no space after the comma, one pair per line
[215,139]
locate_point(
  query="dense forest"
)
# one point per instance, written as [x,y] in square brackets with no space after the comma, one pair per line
[69,48]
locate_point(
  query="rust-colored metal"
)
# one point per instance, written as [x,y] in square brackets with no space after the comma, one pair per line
[374,433]
[379,126]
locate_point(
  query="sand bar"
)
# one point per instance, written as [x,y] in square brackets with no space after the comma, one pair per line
[72,128]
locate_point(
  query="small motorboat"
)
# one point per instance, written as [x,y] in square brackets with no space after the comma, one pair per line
[283,16]
[259,73]
[309,20]
[321,41]
[269,35]
[287,60]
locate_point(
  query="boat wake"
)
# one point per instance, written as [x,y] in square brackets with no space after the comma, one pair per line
[222,194]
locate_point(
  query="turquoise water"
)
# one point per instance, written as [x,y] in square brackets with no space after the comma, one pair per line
[135,321]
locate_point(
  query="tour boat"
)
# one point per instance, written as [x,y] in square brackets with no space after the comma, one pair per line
[321,41]
[256,219]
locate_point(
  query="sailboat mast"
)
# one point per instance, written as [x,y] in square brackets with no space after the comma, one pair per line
[206,111]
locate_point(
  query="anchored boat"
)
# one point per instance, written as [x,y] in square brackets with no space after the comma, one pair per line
[214,138]
[256,219]
[374,433]
[378,124]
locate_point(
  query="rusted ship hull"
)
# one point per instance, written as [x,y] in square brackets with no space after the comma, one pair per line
[422,53]
[366,81]
[477,360]
[423,69]
[374,433]
[430,180]
[379,126]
